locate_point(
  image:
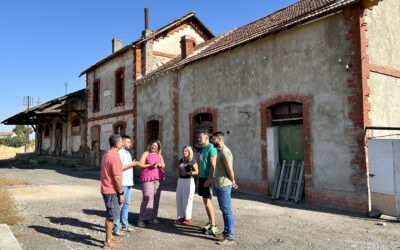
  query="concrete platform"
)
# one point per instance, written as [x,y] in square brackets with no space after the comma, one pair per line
[7,239]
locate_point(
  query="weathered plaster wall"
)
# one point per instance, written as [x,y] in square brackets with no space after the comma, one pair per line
[106,74]
[302,60]
[383,22]
[154,100]
[107,129]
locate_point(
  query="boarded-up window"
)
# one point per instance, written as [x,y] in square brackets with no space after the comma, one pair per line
[119,87]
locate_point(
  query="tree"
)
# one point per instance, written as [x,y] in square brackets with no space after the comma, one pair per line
[20,130]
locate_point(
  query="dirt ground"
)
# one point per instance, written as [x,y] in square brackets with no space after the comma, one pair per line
[64,210]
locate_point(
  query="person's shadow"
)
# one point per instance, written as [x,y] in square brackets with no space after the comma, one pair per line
[75,223]
[166,225]
[71,236]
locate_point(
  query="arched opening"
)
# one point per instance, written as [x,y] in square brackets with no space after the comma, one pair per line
[152,131]
[201,122]
[76,126]
[47,131]
[287,119]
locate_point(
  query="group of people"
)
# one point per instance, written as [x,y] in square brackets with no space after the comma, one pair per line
[212,163]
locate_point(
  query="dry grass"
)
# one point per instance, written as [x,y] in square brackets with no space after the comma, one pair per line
[11,152]
[8,211]
[12,182]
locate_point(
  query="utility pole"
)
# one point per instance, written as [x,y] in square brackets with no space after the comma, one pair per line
[38,101]
[66,87]
[28,102]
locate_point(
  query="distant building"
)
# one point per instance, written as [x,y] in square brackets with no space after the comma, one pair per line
[7,134]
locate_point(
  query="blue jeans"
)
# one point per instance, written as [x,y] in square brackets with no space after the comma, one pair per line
[224,200]
[124,209]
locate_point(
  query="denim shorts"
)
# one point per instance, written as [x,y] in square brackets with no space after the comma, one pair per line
[112,206]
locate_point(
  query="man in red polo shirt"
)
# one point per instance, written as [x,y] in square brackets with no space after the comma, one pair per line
[111,185]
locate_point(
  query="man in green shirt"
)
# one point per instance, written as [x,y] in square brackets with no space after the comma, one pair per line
[208,155]
[224,182]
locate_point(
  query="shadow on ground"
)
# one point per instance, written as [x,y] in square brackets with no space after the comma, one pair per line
[87,174]
[71,236]
[166,225]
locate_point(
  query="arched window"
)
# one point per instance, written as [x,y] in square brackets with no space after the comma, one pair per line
[76,126]
[120,128]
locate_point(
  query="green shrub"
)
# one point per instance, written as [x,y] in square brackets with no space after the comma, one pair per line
[13,141]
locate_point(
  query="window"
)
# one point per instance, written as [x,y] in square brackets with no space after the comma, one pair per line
[47,131]
[119,128]
[96,95]
[119,87]
[76,126]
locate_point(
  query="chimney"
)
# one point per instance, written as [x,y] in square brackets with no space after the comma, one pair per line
[146,18]
[116,45]
[146,32]
[187,46]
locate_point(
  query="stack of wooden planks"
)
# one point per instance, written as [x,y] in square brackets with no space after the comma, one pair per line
[289,181]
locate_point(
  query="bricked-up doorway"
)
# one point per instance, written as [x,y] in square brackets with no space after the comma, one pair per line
[152,131]
[95,138]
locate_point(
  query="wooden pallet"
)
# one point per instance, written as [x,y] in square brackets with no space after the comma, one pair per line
[289,181]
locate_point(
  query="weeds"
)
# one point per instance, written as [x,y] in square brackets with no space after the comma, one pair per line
[13,182]
[8,211]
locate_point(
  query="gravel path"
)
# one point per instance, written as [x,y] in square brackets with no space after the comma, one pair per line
[64,210]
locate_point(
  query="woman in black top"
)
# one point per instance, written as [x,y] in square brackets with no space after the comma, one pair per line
[187,168]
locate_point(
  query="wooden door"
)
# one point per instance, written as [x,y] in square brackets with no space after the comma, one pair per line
[291,143]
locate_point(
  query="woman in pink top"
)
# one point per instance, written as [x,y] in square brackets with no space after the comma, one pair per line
[151,177]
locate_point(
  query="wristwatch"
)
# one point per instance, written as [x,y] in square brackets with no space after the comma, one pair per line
[121,193]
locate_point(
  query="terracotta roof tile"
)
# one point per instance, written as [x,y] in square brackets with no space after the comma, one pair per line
[299,12]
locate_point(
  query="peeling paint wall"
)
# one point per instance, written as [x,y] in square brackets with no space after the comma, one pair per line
[301,60]
[154,100]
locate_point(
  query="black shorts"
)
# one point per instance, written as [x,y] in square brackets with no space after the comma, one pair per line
[205,192]
[112,206]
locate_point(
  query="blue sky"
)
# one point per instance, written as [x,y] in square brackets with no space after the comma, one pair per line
[45,43]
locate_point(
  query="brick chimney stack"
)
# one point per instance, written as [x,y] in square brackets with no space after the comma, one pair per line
[187,46]
[116,45]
